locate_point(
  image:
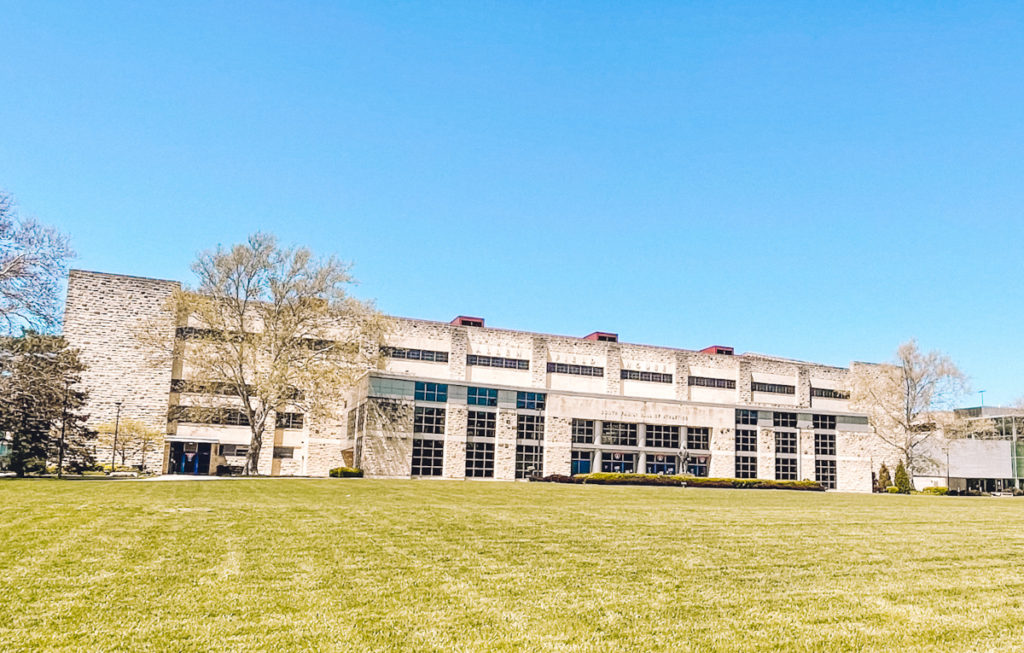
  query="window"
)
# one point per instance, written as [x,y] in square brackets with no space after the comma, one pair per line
[206,387]
[697,465]
[698,437]
[289,420]
[480,424]
[427,457]
[746,440]
[428,420]
[824,422]
[748,417]
[583,431]
[785,468]
[829,393]
[785,420]
[825,473]
[216,416]
[529,460]
[431,392]
[530,400]
[785,442]
[582,462]
[774,388]
[657,435]
[661,463]
[481,397]
[416,354]
[234,450]
[824,444]
[708,382]
[496,361]
[579,370]
[746,466]
[654,377]
[620,434]
[479,459]
[618,462]
[530,427]
[284,452]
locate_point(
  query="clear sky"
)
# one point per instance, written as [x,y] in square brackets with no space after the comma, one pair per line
[813,180]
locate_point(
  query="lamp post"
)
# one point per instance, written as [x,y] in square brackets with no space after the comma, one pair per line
[63,425]
[113,453]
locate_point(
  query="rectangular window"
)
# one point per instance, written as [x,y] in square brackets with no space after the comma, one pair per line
[583,431]
[428,420]
[289,420]
[698,437]
[775,388]
[662,463]
[578,370]
[709,382]
[785,442]
[624,463]
[427,457]
[697,465]
[829,393]
[825,473]
[658,435]
[284,452]
[530,400]
[747,417]
[234,449]
[530,427]
[416,354]
[431,392]
[497,361]
[746,440]
[824,422]
[582,462]
[529,460]
[653,377]
[481,396]
[216,416]
[824,444]
[785,468]
[746,466]
[479,459]
[619,434]
[785,420]
[480,424]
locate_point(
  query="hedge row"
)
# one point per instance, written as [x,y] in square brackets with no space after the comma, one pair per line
[346,472]
[606,478]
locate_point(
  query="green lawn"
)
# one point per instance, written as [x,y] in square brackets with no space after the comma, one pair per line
[350,564]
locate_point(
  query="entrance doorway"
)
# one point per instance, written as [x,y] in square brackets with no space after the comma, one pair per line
[191,458]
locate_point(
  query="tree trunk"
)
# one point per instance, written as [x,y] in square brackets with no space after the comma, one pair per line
[252,460]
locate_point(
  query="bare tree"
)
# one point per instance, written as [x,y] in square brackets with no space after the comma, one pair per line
[33,263]
[269,329]
[904,398]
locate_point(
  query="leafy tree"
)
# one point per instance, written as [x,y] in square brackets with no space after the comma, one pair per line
[33,263]
[903,398]
[38,396]
[272,329]
[135,439]
[902,479]
[884,480]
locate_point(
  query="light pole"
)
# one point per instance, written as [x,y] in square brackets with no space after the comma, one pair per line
[113,453]
[63,425]
[982,393]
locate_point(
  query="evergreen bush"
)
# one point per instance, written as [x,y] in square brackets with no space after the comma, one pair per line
[902,479]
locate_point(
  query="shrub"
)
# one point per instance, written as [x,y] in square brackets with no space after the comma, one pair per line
[884,480]
[346,472]
[892,489]
[606,478]
[902,479]
[937,490]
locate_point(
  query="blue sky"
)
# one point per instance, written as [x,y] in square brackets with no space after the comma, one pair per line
[813,180]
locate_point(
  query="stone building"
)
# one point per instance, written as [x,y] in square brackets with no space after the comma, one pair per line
[462,400]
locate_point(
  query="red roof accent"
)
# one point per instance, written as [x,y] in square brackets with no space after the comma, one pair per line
[603,336]
[465,320]
[717,349]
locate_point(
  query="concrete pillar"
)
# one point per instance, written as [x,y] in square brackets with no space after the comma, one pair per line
[765,453]
[613,368]
[505,446]
[455,442]
[557,445]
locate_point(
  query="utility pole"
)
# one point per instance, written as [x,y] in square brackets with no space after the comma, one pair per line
[63,426]
[113,453]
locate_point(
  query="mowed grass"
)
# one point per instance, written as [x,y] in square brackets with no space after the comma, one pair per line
[350,564]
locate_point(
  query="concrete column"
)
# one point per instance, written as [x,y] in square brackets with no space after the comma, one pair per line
[458,348]
[806,448]
[743,383]
[505,446]
[803,387]
[557,445]
[723,453]
[613,368]
[539,363]
[596,465]
[681,380]
[765,453]
[455,442]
